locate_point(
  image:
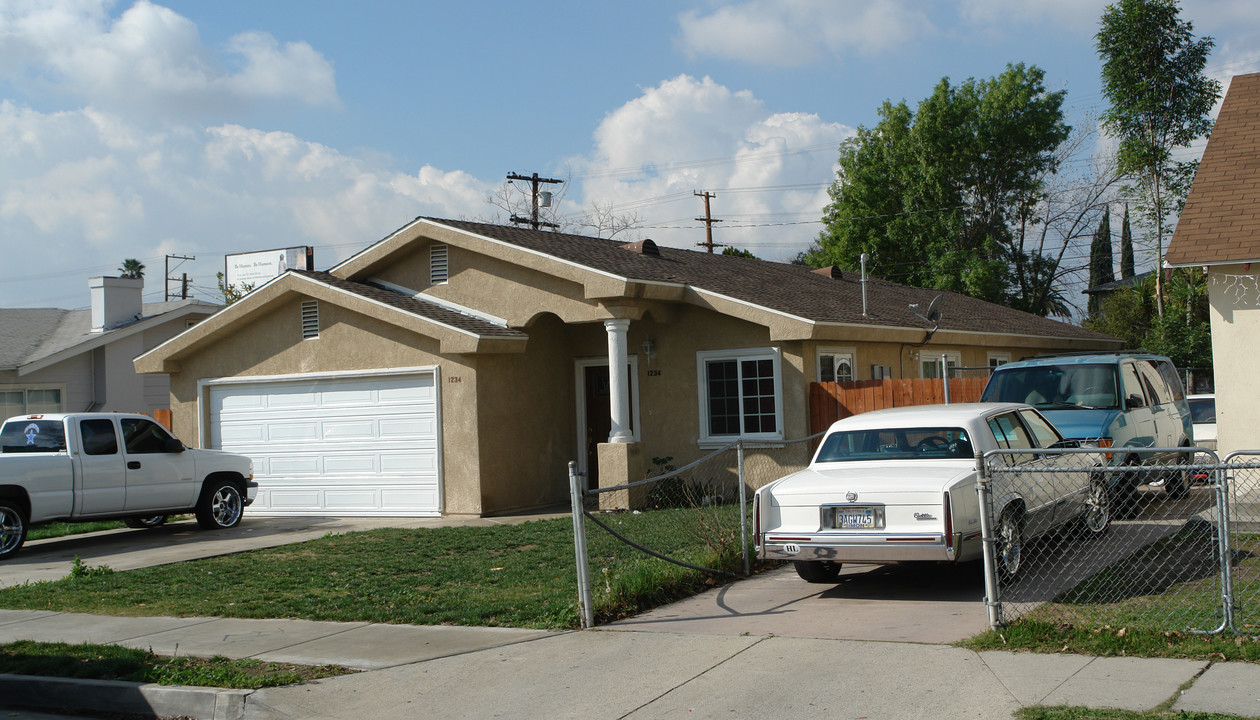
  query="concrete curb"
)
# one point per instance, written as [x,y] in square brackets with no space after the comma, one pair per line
[50,693]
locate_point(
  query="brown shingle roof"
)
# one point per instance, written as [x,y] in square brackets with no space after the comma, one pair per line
[791,289]
[1221,220]
[421,308]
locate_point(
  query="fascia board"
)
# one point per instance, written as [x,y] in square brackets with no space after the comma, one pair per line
[104,338]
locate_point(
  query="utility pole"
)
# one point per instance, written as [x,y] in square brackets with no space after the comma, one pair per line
[708,222]
[183,292]
[533,220]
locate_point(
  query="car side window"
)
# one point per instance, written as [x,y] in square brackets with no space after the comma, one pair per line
[99,437]
[1172,380]
[1011,435]
[1132,386]
[1157,387]
[1042,430]
[143,436]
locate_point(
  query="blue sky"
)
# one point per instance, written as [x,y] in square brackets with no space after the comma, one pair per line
[138,129]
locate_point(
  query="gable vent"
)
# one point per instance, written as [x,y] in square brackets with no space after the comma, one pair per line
[439,270]
[643,247]
[310,319]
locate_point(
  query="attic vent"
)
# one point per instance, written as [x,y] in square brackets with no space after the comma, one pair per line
[439,271]
[830,271]
[310,319]
[643,247]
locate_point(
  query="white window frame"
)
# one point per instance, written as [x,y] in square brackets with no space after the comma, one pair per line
[26,391]
[707,438]
[847,353]
[997,359]
[953,359]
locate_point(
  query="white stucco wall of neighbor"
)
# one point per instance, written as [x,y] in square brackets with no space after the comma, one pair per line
[1234,293]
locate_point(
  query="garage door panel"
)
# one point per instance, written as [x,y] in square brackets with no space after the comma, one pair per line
[355,445]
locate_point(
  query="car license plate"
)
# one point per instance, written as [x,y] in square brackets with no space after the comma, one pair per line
[855,518]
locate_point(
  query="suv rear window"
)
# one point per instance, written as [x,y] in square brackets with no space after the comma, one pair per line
[19,436]
[1055,386]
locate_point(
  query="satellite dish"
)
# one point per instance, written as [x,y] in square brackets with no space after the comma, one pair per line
[933,315]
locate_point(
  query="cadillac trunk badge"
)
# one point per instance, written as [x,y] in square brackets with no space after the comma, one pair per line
[850,496]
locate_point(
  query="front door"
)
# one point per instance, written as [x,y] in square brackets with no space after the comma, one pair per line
[598,417]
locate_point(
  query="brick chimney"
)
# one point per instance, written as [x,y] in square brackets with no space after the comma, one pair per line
[115,301]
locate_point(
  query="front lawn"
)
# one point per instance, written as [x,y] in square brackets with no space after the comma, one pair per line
[507,575]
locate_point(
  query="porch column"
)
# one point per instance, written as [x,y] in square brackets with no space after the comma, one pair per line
[618,380]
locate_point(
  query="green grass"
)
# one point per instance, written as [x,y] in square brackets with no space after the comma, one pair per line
[506,575]
[63,529]
[111,662]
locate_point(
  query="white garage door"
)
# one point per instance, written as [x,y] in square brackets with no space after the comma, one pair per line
[335,446]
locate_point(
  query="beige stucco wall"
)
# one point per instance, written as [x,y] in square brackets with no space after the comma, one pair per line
[1234,295]
[271,345]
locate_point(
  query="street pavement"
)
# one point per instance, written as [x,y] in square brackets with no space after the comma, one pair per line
[767,646]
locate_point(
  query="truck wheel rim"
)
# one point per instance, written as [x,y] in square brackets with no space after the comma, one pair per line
[226,507]
[10,530]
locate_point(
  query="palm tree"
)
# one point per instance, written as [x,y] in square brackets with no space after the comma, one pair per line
[132,268]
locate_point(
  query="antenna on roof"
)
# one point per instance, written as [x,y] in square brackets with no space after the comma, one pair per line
[932,315]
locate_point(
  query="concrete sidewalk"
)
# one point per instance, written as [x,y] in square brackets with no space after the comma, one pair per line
[451,672]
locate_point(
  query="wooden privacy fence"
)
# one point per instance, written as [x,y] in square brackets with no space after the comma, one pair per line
[832,401]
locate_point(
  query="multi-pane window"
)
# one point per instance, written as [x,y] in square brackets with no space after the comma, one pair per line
[741,395]
[835,365]
[930,366]
[29,402]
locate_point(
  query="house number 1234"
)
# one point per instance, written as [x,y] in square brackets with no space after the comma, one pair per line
[454,379]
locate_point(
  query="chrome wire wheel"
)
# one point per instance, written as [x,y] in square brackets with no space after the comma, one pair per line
[1098,508]
[1010,544]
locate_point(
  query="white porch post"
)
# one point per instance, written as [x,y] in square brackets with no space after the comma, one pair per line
[619,380]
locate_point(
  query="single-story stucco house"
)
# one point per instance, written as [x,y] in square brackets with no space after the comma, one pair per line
[55,360]
[457,367]
[1220,229]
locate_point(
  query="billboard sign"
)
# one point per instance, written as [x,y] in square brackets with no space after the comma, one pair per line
[255,268]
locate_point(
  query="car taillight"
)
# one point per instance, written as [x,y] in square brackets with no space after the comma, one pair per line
[949,523]
[757,519]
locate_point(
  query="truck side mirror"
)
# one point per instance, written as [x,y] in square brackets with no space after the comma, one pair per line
[1133,402]
[173,446]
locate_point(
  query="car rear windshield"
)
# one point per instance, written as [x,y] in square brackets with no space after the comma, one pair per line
[1051,387]
[32,436]
[925,443]
[1202,410]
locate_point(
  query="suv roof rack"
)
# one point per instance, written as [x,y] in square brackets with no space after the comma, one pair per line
[1083,353]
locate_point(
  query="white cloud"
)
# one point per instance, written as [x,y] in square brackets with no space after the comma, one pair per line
[151,59]
[83,190]
[796,32]
[769,171]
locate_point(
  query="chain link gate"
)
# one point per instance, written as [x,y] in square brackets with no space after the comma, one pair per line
[1132,538]
[1241,471]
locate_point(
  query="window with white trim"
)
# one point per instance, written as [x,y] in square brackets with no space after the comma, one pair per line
[741,395]
[836,365]
[930,364]
[310,319]
[998,359]
[29,401]
[439,266]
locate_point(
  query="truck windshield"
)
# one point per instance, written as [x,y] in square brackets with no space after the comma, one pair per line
[927,443]
[20,435]
[1052,387]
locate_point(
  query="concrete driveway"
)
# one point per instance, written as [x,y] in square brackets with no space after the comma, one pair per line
[899,603]
[183,540]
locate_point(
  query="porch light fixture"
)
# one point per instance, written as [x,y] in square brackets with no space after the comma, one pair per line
[649,350]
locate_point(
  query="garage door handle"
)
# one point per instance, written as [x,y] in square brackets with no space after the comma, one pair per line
[133,465]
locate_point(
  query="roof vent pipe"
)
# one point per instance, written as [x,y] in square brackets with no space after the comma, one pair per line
[865,257]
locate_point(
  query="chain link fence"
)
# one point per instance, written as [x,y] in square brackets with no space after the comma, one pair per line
[695,516]
[1138,539]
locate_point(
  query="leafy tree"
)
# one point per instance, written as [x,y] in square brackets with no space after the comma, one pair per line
[1160,100]
[232,293]
[728,250]
[1184,333]
[943,196]
[1127,269]
[1101,268]
[131,268]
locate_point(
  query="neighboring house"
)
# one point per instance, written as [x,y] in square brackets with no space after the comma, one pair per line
[457,367]
[1220,229]
[54,360]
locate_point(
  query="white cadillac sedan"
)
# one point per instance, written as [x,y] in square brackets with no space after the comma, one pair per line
[899,485]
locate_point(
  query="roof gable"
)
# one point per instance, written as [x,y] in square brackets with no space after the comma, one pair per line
[1221,219]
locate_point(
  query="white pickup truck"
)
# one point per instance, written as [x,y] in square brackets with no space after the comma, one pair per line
[97,466]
